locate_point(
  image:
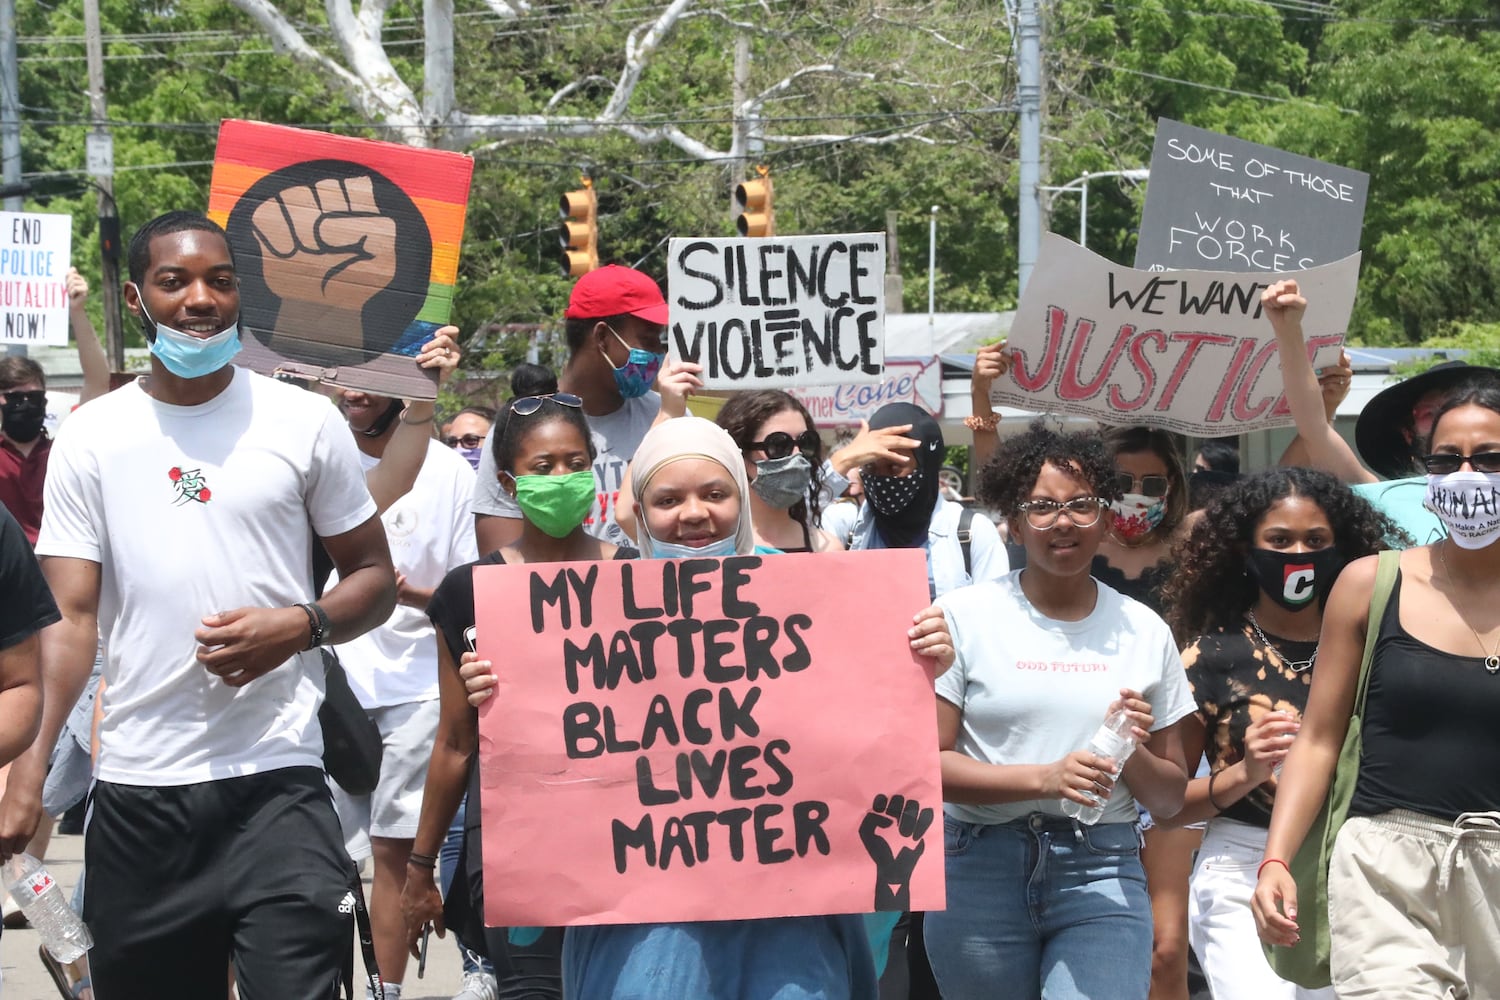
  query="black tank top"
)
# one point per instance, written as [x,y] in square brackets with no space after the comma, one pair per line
[1431,743]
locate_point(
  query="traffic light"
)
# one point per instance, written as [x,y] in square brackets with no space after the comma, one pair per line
[579,233]
[757,216]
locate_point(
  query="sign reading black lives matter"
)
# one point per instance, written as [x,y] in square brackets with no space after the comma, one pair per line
[1216,203]
[771,313]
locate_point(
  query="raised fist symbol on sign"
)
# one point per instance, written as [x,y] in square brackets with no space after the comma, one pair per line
[334,256]
[330,230]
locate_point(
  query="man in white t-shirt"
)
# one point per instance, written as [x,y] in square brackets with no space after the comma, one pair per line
[180,514]
[616,327]
[393,669]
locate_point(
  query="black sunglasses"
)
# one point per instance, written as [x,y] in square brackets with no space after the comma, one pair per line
[17,397]
[525,406]
[779,444]
[467,441]
[1443,464]
[1150,486]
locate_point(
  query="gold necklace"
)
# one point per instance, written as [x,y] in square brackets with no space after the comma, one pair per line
[1492,661]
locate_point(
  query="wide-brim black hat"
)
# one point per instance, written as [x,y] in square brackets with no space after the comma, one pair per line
[1378,431]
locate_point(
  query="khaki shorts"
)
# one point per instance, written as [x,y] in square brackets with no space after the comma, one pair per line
[406,732]
[1414,907]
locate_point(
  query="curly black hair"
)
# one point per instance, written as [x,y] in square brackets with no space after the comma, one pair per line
[1211,590]
[1011,473]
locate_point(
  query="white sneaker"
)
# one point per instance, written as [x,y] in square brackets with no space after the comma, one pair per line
[392,992]
[478,986]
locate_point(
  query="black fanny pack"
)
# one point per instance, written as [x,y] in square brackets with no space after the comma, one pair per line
[351,741]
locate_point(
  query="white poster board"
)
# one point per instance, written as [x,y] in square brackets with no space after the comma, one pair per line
[35,250]
[1187,351]
[907,380]
[769,313]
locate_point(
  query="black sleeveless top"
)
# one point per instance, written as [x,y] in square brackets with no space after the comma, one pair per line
[1431,743]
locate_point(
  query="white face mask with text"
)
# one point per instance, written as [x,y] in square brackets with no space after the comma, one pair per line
[1468,504]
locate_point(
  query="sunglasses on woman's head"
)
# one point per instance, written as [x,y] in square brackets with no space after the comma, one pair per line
[780,444]
[1444,464]
[1150,486]
[467,441]
[525,406]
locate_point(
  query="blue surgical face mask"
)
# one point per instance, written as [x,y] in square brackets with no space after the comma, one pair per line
[634,378]
[713,550]
[187,356]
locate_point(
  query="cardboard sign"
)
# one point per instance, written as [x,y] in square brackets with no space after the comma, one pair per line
[770,313]
[1216,203]
[347,251]
[35,252]
[1187,351]
[907,380]
[707,739]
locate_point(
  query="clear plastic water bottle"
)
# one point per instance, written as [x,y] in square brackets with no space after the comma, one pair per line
[1115,741]
[41,899]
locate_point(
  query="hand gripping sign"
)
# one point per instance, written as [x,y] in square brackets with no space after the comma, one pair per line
[347,251]
[707,739]
[1187,351]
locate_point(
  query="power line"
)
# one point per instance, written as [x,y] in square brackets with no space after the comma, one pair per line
[1221,90]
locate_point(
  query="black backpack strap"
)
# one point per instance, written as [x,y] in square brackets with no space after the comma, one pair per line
[965,539]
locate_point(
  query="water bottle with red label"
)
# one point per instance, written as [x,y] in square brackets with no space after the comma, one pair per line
[41,899]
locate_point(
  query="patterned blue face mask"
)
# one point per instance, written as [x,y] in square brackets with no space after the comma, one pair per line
[634,378]
[713,550]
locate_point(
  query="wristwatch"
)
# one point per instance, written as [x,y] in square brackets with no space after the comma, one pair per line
[320,628]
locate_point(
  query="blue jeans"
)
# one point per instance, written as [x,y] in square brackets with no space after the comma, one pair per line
[1042,907]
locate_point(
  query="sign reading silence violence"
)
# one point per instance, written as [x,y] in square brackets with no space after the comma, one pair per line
[34,256]
[1187,351]
[772,313]
[347,251]
[706,739]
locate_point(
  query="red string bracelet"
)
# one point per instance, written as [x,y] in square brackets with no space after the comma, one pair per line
[1271,861]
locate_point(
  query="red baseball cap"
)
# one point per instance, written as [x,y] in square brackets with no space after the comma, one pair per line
[613,290]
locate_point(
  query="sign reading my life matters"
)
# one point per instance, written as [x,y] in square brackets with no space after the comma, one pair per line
[1187,351]
[347,251]
[34,258]
[1218,203]
[707,739]
[775,312]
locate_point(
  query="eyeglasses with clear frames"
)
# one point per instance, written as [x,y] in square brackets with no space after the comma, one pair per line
[1043,514]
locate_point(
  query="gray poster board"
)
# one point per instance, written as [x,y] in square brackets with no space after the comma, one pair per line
[1217,203]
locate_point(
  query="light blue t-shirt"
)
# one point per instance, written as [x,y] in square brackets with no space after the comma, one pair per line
[1401,501]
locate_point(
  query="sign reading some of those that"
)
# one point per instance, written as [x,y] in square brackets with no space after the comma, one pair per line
[34,260]
[772,313]
[1216,203]
[1187,351]
[347,251]
[727,739]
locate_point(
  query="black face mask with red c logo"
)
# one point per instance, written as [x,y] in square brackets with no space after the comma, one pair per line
[1294,579]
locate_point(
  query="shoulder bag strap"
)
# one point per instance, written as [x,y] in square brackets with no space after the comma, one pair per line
[965,541]
[1388,563]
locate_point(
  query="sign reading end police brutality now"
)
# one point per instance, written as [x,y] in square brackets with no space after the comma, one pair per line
[769,313]
[1187,351]
[706,739]
[1223,204]
[34,257]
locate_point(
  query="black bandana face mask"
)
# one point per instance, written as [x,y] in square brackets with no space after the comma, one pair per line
[22,419]
[1295,580]
[890,495]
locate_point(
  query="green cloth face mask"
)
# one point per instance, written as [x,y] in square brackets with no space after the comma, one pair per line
[556,504]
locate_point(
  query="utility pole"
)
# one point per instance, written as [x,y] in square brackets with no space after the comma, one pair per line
[10,104]
[1029,96]
[893,284]
[102,168]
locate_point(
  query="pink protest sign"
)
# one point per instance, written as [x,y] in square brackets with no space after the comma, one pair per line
[707,739]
